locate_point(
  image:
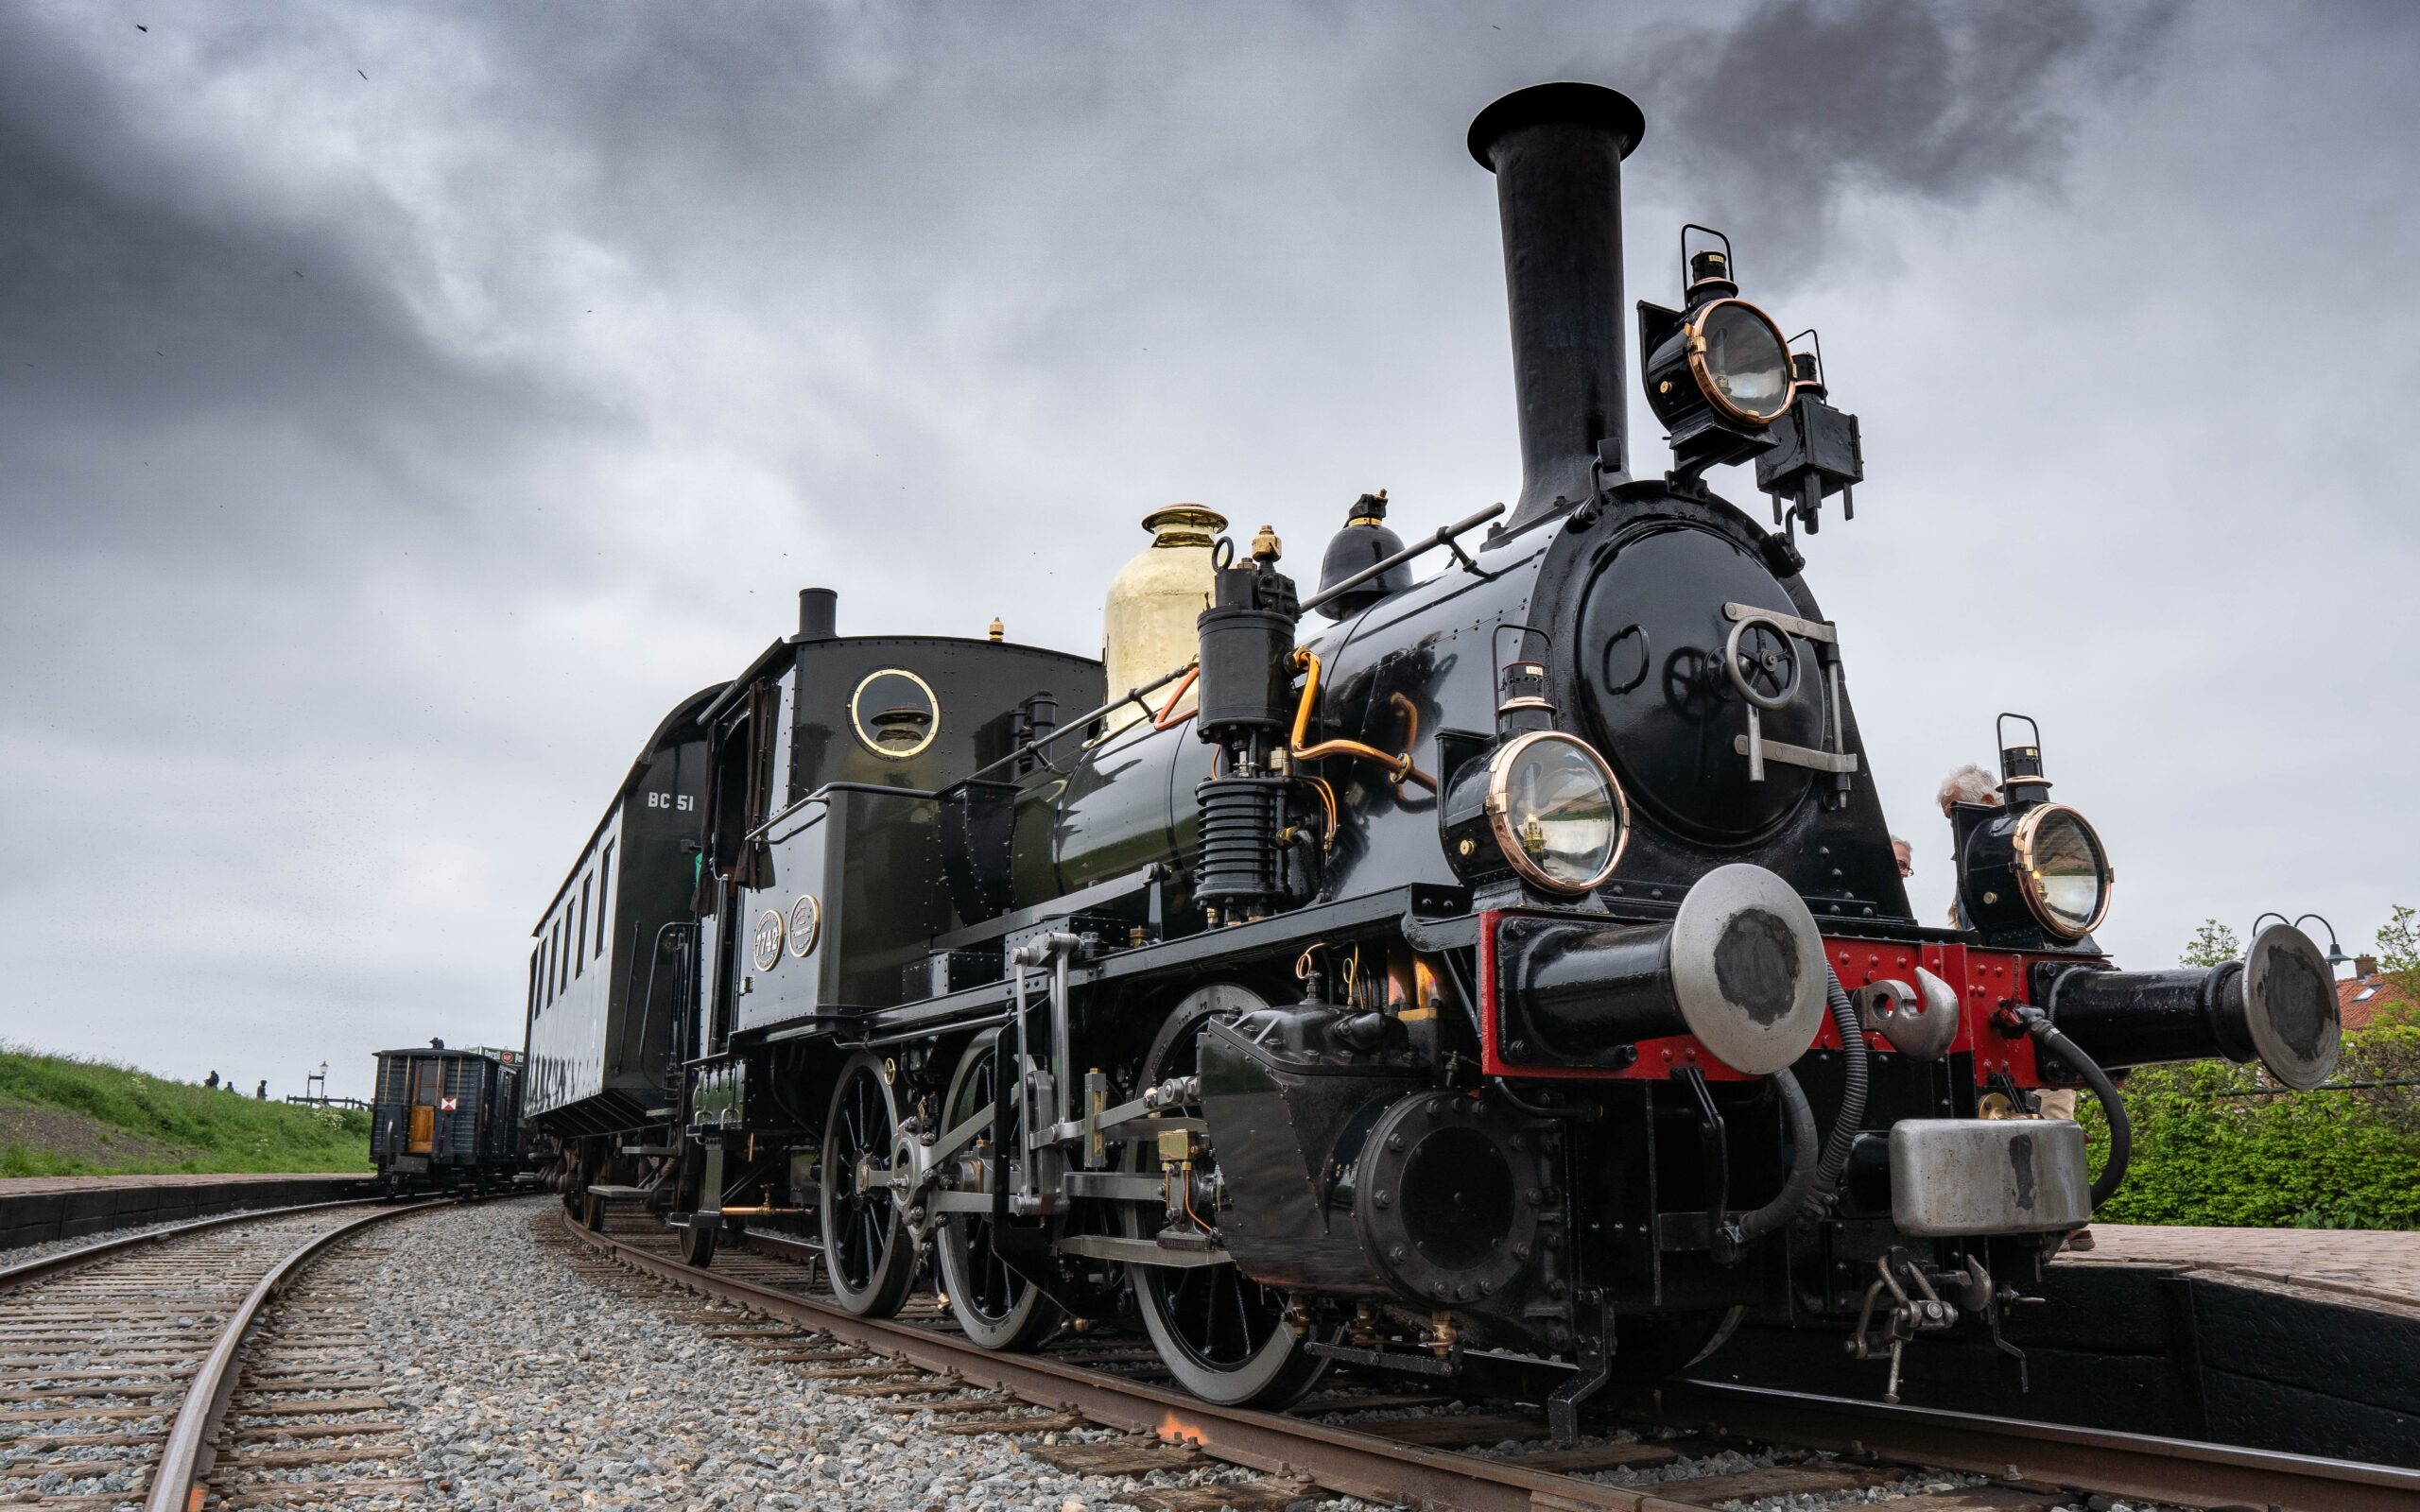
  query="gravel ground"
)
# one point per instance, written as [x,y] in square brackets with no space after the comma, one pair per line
[534,1387]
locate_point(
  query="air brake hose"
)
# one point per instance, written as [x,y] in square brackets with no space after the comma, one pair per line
[1796,1192]
[1853,1086]
[2121,1131]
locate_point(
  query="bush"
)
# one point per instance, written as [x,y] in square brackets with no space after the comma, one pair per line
[2216,1144]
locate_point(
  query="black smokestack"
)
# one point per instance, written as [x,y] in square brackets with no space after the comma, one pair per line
[819,614]
[1556,151]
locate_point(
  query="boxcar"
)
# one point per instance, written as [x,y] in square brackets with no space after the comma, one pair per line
[447,1119]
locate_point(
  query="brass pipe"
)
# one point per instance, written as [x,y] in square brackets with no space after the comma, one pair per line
[1168,718]
[1399,768]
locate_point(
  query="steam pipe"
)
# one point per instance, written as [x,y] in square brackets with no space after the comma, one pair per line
[1556,151]
[2121,1128]
[1852,1113]
[1799,1190]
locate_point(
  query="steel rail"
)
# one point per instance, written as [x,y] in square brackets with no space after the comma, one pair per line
[2116,1464]
[85,1254]
[1378,1470]
[176,1480]
[1350,1463]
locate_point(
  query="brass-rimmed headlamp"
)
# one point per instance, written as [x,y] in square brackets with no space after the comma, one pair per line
[1719,372]
[2036,869]
[1740,361]
[2062,871]
[1543,805]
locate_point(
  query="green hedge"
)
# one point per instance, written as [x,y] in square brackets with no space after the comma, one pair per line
[2273,1159]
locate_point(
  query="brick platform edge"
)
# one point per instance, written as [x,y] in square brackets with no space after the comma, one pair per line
[38,1211]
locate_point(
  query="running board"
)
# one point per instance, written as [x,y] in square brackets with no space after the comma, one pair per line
[1141,1251]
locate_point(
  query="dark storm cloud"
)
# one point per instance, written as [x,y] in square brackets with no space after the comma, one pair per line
[1769,123]
[150,289]
[617,323]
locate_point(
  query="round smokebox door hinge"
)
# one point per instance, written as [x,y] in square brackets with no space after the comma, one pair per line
[1449,1167]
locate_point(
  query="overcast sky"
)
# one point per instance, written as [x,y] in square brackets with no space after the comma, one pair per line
[401,407]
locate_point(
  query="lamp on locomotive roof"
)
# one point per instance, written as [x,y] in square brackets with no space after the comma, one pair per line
[1729,388]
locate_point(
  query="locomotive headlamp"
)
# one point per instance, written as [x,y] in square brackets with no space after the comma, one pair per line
[1719,374]
[2031,871]
[1740,361]
[1558,817]
[2062,870]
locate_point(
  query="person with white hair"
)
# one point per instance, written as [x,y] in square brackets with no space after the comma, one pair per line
[1970,783]
[1905,854]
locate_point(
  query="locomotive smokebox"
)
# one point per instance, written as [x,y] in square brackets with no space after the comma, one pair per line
[1556,151]
[1740,967]
[2278,1003]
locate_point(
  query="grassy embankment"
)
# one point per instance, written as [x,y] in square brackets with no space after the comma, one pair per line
[62,1116]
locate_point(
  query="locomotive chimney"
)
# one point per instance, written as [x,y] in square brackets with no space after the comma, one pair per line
[819,614]
[1556,151]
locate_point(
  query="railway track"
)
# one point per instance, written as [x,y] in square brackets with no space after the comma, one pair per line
[1381,1444]
[210,1365]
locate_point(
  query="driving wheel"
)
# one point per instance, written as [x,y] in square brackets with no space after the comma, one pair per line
[866,1244]
[998,1308]
[1223,1335]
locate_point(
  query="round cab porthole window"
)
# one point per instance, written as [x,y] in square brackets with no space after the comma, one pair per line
[894,713]
[766,940]
[807,925]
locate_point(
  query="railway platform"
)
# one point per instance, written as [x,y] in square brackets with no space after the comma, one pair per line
[39,1210]
[2360,1267]
[2300,1340]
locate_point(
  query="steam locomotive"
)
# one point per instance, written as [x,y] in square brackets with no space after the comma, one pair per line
[1501,968]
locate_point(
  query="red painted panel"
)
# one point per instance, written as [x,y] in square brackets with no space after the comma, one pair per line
[1986,981]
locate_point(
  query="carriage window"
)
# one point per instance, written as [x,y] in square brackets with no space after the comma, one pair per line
[535,952]
[580,937]
[604,893]
[894,713]
[554,951]
[562,957]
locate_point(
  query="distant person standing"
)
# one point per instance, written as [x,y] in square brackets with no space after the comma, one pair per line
[260,1093]
[210,1081]
[1969,783]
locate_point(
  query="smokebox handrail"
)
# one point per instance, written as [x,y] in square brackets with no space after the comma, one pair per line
[1443,536]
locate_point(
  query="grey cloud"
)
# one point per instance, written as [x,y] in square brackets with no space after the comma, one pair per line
[621,322]
[1766,127]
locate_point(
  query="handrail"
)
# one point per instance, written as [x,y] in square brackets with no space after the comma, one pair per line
[1082,721]
[174,1486]
[1443,536]
[824,795]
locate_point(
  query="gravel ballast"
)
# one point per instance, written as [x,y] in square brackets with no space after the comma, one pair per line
[530,1385]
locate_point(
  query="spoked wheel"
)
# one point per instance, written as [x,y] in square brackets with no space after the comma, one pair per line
[1222,1334]
[998,1308]
[865,1243]
[699,1237]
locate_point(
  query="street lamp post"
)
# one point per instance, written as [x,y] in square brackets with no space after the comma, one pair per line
[2336,955]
